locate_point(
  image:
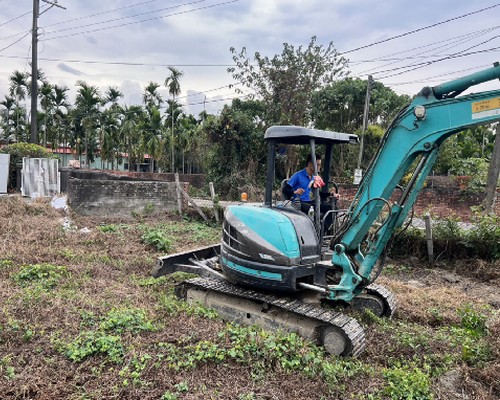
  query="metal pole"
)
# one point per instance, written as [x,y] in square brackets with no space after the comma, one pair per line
[34,73]
[317,217]
[365,118]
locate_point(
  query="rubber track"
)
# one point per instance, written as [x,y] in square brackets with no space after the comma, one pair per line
[386,295]
[349,326]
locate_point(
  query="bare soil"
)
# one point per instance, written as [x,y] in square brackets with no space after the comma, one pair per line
[108,269]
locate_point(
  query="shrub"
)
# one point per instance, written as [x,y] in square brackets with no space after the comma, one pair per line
[158,239]
[19,150]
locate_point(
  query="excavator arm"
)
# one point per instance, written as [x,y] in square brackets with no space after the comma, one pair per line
[414,137]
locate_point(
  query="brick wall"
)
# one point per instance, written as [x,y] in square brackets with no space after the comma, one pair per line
[121,198]
[442,198]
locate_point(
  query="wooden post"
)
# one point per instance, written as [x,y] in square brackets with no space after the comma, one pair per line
[212,194]
[197,208]
[178,192]
[428,237]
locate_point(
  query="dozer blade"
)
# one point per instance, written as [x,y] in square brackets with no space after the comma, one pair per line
[336,332]
[199,262]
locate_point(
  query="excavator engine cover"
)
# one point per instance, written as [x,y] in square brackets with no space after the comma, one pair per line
[268,248]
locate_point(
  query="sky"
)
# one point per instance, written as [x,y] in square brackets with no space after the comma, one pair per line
[126,44]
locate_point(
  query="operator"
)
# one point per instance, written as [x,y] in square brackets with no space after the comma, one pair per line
[300,185]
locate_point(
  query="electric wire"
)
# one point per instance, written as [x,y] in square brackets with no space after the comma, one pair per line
[15,42]
[385,57]
[126,17]
[419,29]
[101,13]
[144,20]
[15,18]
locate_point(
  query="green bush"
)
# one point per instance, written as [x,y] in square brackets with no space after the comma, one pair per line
[158,239]
[405,382]
[19,150]
[451,242]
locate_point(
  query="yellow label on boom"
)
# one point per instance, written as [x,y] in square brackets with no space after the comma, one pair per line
[486,105]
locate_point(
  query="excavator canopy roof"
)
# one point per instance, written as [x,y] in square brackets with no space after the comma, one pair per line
[299,135]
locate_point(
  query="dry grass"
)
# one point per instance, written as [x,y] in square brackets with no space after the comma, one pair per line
[109,270]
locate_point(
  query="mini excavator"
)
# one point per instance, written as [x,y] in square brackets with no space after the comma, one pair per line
[278,268]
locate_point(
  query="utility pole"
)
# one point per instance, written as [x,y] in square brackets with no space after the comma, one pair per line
[34,65]
[365,118]
[34,73]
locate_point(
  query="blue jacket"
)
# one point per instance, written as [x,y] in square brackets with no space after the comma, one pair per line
[301,180]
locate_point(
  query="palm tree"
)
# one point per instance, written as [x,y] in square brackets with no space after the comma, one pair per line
[174,88]
[18,88]
[59,122]
[6,115]
[112,96]
[152,134]
[18,85]
[87,114]
[46,94]
[151,97]
[130,133]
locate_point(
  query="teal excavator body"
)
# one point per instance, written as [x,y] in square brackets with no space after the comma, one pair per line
[273,257]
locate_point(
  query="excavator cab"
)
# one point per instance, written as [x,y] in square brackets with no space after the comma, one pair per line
[296,135]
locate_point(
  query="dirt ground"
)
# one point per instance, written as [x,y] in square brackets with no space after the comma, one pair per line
[81,318]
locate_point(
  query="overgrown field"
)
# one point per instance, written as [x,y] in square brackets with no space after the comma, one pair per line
[80,318]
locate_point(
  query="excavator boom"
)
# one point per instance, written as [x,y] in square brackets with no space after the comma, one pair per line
[416,134]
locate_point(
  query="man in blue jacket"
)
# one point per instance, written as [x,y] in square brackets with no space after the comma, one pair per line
[301,185]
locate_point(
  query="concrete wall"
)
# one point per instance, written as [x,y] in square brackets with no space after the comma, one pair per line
[196,180]
[121,198]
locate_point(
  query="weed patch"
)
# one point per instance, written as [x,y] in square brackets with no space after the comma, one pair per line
[158,239]
[91,343]
[46,275]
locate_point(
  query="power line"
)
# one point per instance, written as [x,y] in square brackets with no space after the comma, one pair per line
[145,20]
[459,55]
[429,78]
[385,57]
[420,29]
[101,13]
[127,17]
[17,41]
[408,68]
[127,63]
[15,18]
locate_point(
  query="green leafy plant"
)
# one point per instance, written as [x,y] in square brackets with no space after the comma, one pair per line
[404,382]
[158,239]
[91,343]
[46,275]
[110,228]
[126,320]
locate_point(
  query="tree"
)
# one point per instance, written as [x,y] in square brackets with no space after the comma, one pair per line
[130,134]
[286,82]
[151,97]
[172,82]
[18,88]
[340,107]
[237,152]
[86,119]
[493,173]
[6,122]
